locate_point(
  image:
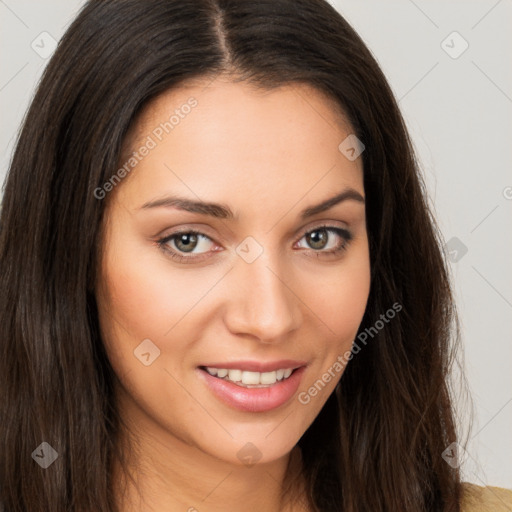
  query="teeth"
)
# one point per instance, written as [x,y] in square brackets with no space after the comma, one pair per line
[234,375]
[267,378]
[249,379]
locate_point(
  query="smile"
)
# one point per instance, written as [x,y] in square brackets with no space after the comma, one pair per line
[248,390]
[250,379]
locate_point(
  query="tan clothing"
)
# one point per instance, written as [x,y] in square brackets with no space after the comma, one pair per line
[478,498]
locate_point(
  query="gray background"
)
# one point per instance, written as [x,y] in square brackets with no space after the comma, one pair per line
[458,110]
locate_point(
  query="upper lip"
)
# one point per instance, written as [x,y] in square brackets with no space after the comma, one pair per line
[257,366]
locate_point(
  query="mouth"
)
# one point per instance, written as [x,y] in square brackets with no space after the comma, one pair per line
[243,387]
[248,379]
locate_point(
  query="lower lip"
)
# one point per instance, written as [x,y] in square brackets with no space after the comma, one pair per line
[253,399]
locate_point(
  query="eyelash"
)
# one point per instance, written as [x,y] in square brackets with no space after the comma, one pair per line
[344,234]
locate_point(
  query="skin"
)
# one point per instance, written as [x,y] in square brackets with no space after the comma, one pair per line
[267,155]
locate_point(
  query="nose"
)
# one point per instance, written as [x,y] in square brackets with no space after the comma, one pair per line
[262,302]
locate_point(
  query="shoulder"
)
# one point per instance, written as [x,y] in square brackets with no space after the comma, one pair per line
[476,498]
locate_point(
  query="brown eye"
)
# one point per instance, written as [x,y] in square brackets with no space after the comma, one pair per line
[321,237]
[186,242]
[318,238]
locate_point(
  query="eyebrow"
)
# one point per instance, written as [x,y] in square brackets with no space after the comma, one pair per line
[222,211]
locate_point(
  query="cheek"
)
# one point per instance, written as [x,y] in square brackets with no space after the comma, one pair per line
[349,299]
[339,305]
[341,295]
[144,297]
[138,300]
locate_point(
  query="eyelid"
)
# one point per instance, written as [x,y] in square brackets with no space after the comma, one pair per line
[317,225]
[321,224]
[203,229]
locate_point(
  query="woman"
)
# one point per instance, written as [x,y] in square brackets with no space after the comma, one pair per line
[222,286]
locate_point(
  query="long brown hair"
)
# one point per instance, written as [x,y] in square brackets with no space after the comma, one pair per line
[377,444]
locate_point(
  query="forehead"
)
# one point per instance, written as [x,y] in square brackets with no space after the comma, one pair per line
[244,99]
[222,137]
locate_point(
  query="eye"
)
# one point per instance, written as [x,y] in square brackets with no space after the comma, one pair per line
[184,242]
[320,240]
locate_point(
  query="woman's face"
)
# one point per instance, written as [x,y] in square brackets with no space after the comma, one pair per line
[269,283]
